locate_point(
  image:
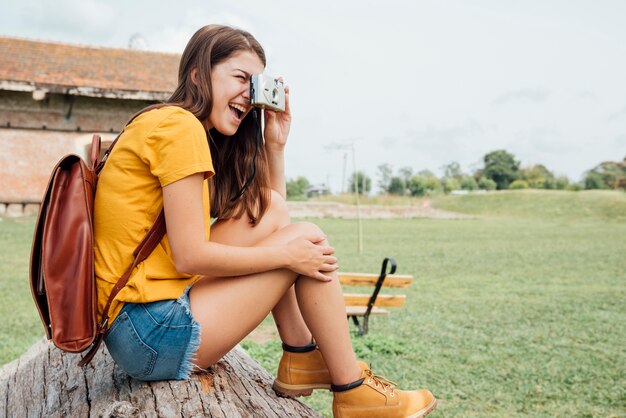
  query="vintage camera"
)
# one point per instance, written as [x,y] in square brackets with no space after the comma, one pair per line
[267,92]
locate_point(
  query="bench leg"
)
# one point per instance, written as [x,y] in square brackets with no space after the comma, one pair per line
[359,329]
[366,321]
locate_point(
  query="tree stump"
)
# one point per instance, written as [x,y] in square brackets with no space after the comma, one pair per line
[47,382]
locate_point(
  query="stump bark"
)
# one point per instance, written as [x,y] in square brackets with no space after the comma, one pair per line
[46,382]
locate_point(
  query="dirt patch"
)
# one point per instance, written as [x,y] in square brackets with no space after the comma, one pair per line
[263,334]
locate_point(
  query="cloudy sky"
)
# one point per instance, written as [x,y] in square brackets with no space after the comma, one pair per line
[411,83]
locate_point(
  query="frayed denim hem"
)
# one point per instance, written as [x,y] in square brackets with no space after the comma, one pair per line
[187,366]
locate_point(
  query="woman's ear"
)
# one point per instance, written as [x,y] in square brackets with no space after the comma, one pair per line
[194,73]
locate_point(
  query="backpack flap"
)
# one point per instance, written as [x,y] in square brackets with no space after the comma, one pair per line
[62,260]
[37,285]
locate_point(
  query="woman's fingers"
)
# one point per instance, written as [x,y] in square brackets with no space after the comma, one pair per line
[320,276]
[329,267]
[287,107]
[330,260]
[312,258]
[314,238]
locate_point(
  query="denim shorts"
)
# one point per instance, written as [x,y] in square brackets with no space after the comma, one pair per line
[155,341]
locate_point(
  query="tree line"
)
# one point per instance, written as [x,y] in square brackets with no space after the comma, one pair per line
[500,171]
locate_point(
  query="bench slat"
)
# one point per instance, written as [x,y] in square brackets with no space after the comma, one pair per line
[361,299]
[368,279]
[360,310]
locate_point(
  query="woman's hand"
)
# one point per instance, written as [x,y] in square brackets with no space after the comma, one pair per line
[311,257]
[277,125]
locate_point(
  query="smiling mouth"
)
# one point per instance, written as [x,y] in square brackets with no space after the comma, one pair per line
[237,110]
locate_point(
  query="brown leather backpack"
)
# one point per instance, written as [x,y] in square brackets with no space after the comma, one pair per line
[62,277]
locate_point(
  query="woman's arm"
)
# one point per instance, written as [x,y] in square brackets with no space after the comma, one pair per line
[276,161]
[193,254]
[277,126]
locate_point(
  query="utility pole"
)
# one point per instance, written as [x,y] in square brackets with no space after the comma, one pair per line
[358,206]
[343,176]
[344,146]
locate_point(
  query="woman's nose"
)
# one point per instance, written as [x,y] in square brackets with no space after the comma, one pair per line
[246,94]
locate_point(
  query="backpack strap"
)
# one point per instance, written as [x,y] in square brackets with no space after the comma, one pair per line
[143,250]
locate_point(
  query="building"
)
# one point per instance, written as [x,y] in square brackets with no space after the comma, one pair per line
[55,96]
[317,190]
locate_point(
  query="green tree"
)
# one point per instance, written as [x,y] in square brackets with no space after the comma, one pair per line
[486,184]
[518,184]
[433,184]
[397,186]
[363,182]
[405,174]
[561,183]
[421,185]
[501,167]
[385,173]
[607,175]
[575,187]
[468,183]
[594,181]
[450,184]
[297,188]
[452,170]
[538,177]
[417,186]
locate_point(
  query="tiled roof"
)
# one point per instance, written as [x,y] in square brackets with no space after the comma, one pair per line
[85,70]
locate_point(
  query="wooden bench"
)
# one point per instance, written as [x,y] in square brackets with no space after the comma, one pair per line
[361,305]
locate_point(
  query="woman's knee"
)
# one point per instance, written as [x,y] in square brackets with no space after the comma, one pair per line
[306,228]
[292,231]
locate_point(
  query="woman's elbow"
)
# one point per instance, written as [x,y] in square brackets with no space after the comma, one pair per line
[184,262]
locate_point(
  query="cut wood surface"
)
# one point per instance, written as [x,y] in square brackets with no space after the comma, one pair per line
[362,299]
[46,382]
[368,279]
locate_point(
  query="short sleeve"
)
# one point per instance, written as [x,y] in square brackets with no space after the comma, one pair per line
[178,148]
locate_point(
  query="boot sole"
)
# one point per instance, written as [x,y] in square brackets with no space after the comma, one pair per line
[285,390]
[425,411]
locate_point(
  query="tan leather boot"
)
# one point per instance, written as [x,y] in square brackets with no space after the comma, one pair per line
[302,369]
[376,396]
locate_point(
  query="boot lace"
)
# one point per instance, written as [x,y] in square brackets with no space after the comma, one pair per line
[382,381]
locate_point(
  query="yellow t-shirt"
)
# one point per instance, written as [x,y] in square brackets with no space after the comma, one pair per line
[158,148]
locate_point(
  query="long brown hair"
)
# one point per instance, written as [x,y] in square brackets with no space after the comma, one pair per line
[240,162]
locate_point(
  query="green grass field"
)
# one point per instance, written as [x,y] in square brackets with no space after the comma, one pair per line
[518,312]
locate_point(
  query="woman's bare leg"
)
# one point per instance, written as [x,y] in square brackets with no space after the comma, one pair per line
[229,308]
[238,232]
[318,300]
[291,326]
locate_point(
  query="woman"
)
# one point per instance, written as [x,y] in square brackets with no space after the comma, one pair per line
[205,287]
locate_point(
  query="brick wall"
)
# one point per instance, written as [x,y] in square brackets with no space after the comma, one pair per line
[35,134]
[64,112]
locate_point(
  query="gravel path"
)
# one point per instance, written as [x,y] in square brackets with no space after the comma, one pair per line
[340,210]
